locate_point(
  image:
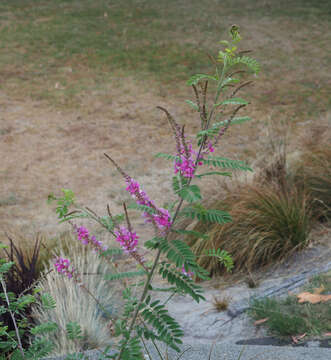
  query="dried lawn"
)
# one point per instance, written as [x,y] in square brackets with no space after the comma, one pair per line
[82,78]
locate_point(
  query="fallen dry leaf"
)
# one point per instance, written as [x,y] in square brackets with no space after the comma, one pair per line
[312,298]
[261,321]
[319,290]
[296,339]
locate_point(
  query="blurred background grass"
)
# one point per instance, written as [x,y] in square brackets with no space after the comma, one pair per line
[81,45]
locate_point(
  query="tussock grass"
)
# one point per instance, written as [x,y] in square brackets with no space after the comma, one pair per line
[313,171]
[268,225]
[74,304]
[221,303]
[274,210]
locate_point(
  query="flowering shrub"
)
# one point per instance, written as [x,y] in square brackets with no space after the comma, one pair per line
[144,317]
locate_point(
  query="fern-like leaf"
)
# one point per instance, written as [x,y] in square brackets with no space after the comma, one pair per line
[111,252]
[44,328]
[223,256]
[48,301]
[143,208]
[192,104]
[166,156]
[182,282]
[198,77]
[216,127]
[232,101]
[223,173]
[167,329]
[226,163]
[74,330]
[251,63]
[190,193]
[177,252]
[39,348]
[206,215]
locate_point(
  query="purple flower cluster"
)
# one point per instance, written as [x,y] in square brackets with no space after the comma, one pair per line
[127,239]
[161,217]
[185,163]
[189,274]
[62,266]
[186,157]
[85,238]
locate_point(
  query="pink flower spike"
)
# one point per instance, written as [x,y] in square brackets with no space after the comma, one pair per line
[62,266]
[210,147]
[127,239]
[83,235]
[85,238]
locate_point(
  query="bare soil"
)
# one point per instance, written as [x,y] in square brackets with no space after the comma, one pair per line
[44,149]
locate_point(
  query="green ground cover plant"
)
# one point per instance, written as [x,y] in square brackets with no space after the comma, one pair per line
[288,317]
[144,317]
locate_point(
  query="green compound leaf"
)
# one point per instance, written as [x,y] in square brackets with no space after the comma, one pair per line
[177,252]
[143,208]
[223,256]
[190,193]
[166,156]
[39,349]
[111,252]
[192,104]
[25,301]
[226,163]
[132,350]
[74,330]
[204,215]
[167,329]
[110,223]
[232,101]
[44,328]
[153,243]
[181,281]
[4,268]
[198,77]
[251,63]
[48,301]
[214,173]
[124,275]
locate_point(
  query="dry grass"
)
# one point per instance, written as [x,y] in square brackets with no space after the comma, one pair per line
[75,93]
[221,303]
[274,210]
[268,225]
[73,304]
[313,171]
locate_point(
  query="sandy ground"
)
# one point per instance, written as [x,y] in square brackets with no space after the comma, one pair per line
[44,149]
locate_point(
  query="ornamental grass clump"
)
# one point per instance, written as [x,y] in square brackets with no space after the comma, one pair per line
[143,316]
[313,172]
[272,218]
[92,313]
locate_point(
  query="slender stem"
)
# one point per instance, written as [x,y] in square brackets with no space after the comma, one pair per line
[169,298]
[13,318]
[148,353]
[156,261]
[156,347]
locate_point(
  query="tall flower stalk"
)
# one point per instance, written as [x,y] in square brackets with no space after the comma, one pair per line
[145,318]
